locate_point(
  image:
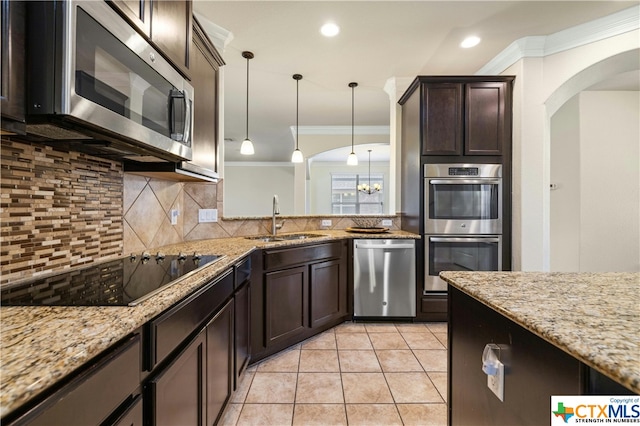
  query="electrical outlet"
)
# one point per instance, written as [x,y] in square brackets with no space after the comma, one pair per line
[207,215]
[496,382]
[387,222]
[174,216]
[326,222]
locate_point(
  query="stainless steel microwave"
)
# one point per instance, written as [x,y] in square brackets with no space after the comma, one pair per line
[96,83]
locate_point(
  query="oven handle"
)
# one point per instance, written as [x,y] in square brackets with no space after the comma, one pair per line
[464,240]
[463,181]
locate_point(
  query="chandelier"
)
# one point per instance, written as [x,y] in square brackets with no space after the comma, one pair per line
[367,188]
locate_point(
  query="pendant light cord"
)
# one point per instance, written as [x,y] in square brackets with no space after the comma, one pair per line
[353,85]
[297,111]
[247,110]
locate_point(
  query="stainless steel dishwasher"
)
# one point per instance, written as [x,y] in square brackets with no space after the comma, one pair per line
[384,278]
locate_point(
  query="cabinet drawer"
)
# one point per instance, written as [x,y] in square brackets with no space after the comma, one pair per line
[282,258]
[115,377]
[167,331]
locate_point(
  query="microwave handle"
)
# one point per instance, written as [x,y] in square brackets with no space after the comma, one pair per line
[187,120]
[176,96]
[463,181]
[464,240]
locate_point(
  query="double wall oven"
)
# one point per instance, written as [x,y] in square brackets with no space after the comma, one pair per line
[462,220]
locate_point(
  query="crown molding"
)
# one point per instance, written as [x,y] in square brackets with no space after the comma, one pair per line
[341,130]
[539,46]
[219,36]
[258,164]
[396,86]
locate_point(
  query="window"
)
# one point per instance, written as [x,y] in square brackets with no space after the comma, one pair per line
[346,199]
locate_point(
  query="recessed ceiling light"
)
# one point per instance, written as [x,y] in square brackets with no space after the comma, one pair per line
[470,42]
[329,29]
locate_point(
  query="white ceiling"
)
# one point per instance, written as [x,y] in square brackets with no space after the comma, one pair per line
[378,40]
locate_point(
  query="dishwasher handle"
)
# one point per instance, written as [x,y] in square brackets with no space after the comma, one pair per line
[383,246]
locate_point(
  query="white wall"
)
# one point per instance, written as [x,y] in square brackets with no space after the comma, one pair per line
[542,85]
[249,189]
[565,199]
[609,182]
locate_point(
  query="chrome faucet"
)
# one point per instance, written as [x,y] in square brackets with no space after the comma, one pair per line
[276,211]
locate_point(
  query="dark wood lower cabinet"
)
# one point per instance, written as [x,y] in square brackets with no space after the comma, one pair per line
[242,313]
[328,286]
[100,394]
[286,304]
[219,375]
[176,395]
[297,293]
[196,386]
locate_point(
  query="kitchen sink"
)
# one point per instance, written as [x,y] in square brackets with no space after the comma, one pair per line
[283,237]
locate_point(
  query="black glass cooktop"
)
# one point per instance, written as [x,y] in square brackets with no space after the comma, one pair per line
[121,282]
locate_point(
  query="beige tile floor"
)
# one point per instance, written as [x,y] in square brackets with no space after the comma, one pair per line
[354,374]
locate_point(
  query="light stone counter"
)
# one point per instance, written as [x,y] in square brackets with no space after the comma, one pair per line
[41,345]
[594,317]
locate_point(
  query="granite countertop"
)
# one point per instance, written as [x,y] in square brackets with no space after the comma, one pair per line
[41,345]
[594,317]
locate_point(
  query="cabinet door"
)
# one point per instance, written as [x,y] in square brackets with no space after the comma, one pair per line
[286,304]
[485,129]
[219,362]
[203,70]
[138,12]
[242,333]
[442,119]
[177,394]
[328,291]
[171,30]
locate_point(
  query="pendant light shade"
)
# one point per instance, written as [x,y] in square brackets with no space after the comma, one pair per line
[247,146]
[352,159]
[297,156]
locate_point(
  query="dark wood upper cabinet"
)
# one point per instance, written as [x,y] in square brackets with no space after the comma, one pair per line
[138,12]
[484,118]
[166,23]
[171,31]
[204,70]
[465,117]
[442,131]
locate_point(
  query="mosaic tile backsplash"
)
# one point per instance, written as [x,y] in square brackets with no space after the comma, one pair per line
[57,209]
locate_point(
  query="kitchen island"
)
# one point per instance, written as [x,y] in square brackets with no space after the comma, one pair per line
[42,346]
[558,333]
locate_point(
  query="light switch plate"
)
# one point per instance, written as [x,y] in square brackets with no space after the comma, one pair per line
[174,216]
[387,222]
[207,215]
[496,383]
[326,222]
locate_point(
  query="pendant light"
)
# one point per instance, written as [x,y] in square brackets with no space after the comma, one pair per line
[247,146]
[297,156]
[367,189]
[352,159]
